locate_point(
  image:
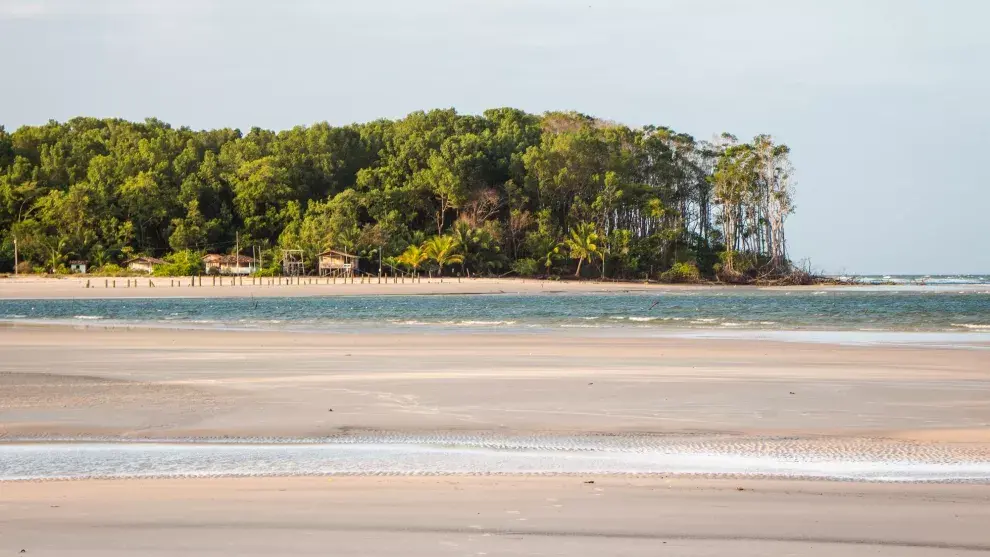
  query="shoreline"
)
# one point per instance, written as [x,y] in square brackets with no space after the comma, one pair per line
[30,288]
[440,454]
[942,339]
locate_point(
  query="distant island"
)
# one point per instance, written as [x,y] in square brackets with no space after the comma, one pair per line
[505,193]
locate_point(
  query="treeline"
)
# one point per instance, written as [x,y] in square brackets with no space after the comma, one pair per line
[503,192]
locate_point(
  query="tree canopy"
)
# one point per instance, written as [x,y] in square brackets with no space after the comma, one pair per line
[504,191]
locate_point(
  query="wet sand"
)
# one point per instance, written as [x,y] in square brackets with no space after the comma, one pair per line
[844,401]
[491,516]
[147,383]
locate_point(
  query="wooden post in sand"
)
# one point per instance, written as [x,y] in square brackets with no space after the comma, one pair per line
[106,283]
[115,283]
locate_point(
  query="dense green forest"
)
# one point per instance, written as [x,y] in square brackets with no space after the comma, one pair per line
[560,194]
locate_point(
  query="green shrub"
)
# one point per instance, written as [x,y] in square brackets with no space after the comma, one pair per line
[681,272]
[526,267]
[180,264]
[112,270]
[743,262]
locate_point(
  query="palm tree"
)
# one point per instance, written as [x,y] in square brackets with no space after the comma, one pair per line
[413,257]
[582,244]
[443,250]
[463,236]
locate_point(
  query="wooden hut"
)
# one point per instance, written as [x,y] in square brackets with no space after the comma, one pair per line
[78,266]
[337,263]
[143,264]
[214,263]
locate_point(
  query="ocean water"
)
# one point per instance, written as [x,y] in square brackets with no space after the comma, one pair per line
[869,309]
[855,460]
[920,280]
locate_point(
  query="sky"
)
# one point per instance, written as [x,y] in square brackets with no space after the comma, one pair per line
[884,103]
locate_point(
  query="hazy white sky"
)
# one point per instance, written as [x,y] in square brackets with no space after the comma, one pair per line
[885,103]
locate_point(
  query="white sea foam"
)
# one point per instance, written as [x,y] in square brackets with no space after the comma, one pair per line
[88,317]
[977,326]
[860,460]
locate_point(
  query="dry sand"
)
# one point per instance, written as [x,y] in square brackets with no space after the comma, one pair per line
[75,287]
[426,517]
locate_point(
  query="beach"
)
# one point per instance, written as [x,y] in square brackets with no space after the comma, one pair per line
[208,287]
[135,382]
[452,423]
[424,517]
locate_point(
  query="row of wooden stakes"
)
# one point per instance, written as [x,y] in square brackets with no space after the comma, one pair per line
[265,281]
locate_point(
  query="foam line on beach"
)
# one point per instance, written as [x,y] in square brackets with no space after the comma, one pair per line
[860,460]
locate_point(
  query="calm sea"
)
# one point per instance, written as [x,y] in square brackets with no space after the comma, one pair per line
[940,308]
